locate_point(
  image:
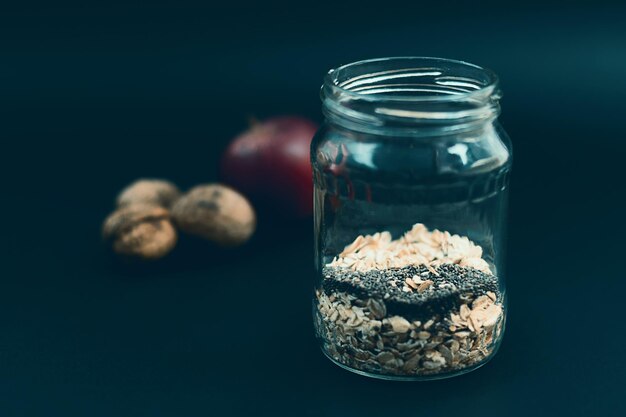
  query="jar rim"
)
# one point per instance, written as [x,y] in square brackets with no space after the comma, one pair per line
[410,95]
[486,87]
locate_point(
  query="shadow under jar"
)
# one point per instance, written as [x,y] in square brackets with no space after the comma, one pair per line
[411,170]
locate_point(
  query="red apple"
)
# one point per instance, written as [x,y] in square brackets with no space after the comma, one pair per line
[270,164]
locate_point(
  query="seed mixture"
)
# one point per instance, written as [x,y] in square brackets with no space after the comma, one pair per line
[424,304]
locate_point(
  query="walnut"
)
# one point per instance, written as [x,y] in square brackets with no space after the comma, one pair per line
[149,191]
[140,230]
[217,213]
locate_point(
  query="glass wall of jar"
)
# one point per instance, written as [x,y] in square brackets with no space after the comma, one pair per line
[411,170]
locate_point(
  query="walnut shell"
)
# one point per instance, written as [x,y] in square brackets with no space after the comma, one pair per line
[149,191]
[140,230]
[217,213]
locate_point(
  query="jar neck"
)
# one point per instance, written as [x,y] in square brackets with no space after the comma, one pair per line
[411,96]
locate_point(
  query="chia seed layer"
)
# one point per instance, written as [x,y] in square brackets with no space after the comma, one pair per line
[446,293]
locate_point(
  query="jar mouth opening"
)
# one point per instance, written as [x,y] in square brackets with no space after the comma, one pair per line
[410,92]
[412,79]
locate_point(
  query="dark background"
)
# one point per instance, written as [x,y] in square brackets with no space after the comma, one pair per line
[95,96]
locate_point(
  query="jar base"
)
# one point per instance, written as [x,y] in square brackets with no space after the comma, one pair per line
[408,378]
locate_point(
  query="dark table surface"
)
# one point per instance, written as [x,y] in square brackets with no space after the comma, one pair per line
[96,96]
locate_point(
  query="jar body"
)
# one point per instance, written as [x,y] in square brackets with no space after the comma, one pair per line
[409,249]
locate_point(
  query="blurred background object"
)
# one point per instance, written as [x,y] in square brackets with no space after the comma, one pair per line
[269,163]
[95,95]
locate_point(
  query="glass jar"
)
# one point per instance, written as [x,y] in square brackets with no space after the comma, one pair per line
[411,170]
